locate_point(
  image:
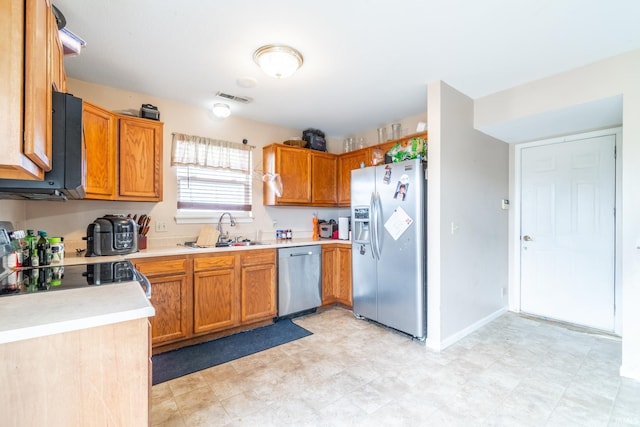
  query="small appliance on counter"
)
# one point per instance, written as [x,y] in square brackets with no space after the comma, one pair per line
[327,229]
[343,227]
[112,235]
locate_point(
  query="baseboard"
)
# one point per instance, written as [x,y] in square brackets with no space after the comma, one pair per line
[439,346]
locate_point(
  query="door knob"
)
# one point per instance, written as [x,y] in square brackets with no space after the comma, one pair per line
[527,238]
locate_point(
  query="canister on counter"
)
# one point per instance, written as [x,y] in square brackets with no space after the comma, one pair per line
[57,250]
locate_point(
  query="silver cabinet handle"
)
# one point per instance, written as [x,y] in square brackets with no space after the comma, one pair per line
[527,238]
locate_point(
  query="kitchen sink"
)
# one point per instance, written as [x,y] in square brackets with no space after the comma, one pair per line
[225,244]
[240,243]
[246,243]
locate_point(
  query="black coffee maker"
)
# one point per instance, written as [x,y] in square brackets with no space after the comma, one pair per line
[112,235]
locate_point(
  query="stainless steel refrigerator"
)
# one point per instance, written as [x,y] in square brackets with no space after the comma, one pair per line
[388,217]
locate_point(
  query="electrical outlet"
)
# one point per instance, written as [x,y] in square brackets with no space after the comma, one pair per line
[455,227]
[161,227]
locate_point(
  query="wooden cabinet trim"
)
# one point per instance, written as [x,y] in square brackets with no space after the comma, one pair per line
[260,256]
[176,266]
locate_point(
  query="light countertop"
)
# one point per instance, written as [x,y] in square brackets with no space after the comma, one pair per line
[71,259]
[41,314]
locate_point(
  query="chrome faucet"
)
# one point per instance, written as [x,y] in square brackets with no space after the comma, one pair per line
[232,222]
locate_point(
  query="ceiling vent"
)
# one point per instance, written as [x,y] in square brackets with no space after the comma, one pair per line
[241,99]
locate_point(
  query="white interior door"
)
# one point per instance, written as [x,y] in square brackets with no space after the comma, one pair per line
[568,231]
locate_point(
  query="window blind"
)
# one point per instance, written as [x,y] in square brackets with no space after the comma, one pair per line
[212,175]
[213,189]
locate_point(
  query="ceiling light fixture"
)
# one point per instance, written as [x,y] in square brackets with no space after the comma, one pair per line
[278,60]
[221,110]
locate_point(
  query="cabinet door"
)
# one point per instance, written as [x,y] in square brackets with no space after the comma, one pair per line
[56,54]
[343,282]
[328,268]
[215,300]
[258,285]
[169,299]
[100,141]
[13,163]
[215,293]
[37,85]
[258,292]
[170,285]
[294,166]
[140,172]
[346,163]
[323,182]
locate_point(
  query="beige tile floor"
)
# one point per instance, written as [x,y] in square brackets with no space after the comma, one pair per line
[514,371]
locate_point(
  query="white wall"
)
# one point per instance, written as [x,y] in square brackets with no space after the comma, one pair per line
[70,219]
[13,211]
[603,80]
[467,229]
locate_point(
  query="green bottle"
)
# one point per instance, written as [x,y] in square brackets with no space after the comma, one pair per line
[43,249]
[30,248]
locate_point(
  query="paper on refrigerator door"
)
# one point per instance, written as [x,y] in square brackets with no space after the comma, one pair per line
[398,223]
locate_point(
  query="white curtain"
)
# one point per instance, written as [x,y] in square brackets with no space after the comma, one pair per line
[189,150]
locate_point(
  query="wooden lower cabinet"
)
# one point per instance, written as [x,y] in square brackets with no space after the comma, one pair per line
[170,296]
[94,376]
[258,285]
[336,274]
[215,293]
[205,296]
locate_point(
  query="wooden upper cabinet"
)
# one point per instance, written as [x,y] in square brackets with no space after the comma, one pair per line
[100,139]
[323,181]
[140,159]
[317,178]
[56,56]
[124,156]
[37,85]
[25,91]
[346,163]
[294,166]
[308,176]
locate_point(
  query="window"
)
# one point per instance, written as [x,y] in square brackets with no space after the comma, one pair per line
[202,189]
[213,175]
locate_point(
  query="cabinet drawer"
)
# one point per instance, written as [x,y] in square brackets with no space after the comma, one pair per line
[162,266]
[254,257]
[213,262]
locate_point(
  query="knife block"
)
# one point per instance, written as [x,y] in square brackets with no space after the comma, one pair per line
[142,242]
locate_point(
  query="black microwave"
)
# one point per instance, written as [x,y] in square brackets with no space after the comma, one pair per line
[66,179]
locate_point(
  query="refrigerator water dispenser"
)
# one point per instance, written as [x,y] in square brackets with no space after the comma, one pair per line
[360,224]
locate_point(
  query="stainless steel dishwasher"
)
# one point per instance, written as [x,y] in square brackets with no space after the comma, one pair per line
[299,279]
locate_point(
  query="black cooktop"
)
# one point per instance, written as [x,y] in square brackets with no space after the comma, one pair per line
[57,277]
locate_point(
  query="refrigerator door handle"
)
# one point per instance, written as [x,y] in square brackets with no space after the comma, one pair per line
[378,225]
[372,225]
[375,240]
